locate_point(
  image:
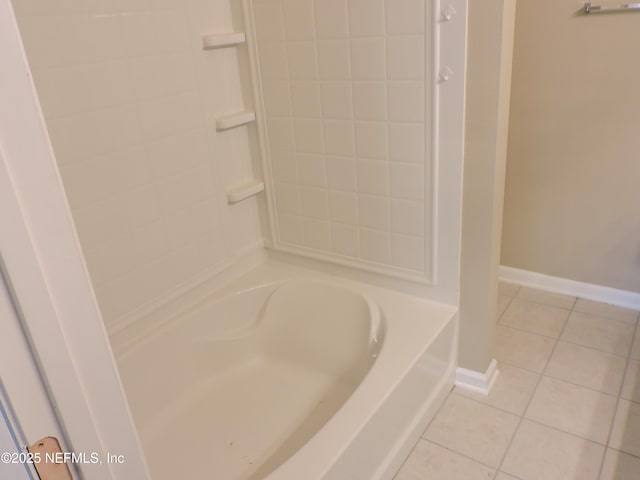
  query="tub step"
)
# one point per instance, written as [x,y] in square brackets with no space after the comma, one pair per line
[235,120]
[221,40]
[244,191]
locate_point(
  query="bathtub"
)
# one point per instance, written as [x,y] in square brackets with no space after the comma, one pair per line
[288,374]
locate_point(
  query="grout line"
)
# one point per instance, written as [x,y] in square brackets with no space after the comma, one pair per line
[543,374]
[522,416]
[354,157]
[505,309]
[387,122]
[422,435]
[617,409]
[423,432]
[562,340]
[461,454]
[504,455]
[625,453]
[544,304]
[532,420]
[317,82]
[461,395]
[579,385]
[540,302]
[553,337]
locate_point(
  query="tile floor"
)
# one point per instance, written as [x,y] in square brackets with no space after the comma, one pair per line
[566,405]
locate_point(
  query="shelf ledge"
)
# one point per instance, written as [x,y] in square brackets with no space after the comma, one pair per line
[235,120]
[221,40]
[244,191]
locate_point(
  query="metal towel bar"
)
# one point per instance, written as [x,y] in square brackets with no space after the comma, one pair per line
[627,7]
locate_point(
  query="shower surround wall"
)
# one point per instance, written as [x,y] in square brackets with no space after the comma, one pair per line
[362,166]
[130,99]
[348,117]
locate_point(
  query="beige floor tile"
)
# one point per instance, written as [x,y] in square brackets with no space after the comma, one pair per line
[508,289]
[429,461]
[546,298]
[586,366]
[535,318]
[605,310]
[473,429]
[572,408]
[503,303]
[504,476]
[635,350]
[522,349]
[511,392]
[606,334]
[620,466]
[631,387]
[625,434]
[542,453]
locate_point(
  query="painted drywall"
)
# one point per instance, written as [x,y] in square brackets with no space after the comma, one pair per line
[490,43]
[572,202]
[130,100]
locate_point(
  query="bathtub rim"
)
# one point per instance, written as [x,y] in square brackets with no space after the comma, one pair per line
[376,331]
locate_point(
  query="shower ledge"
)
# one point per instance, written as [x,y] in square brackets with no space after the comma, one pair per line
[221,40]
[244,191]
[235,120]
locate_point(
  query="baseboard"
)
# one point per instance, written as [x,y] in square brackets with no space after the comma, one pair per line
[476,381]
[589,291]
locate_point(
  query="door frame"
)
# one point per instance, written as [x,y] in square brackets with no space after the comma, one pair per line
[44,259]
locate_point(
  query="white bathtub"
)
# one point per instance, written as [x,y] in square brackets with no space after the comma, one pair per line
[289,374]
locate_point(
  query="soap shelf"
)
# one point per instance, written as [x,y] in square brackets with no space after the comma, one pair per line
[235,120]
[221,40]
[244,191]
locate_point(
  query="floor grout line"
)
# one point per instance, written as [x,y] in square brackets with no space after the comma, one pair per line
[538,422]
[461,454]
[564,340]
[535,389]
[424,432]
[542,374]
[617,409]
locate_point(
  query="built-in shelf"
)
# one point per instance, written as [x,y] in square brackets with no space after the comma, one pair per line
[221,40]
[235,120]
[244,190]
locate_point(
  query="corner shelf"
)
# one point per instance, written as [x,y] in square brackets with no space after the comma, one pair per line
[235,120]
[221,40]
[244,191]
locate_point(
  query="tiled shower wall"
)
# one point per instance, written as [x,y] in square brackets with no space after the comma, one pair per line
[347,117]
[130,99]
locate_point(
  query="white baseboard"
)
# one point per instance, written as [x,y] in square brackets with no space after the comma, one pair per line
[476,381]
[589,291]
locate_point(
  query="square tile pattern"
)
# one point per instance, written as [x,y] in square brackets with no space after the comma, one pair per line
[130,99]
[345,83]
[565,406]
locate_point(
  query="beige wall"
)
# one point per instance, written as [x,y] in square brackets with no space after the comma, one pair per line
[130,100]
[572,199]
[487,112]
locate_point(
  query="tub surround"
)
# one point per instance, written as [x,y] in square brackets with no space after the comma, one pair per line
[348,125]
[131,101]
